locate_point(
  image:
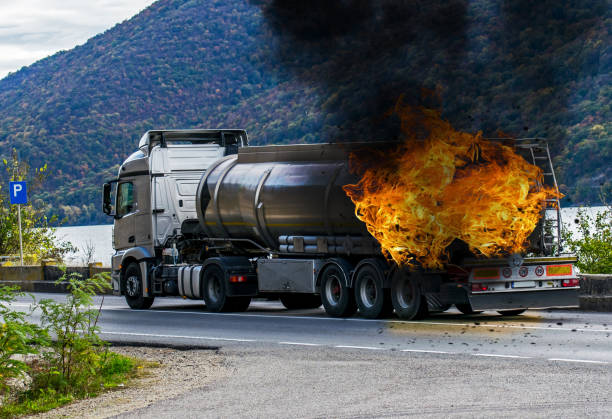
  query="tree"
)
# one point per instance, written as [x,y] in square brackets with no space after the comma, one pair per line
[39,241]
[593,246]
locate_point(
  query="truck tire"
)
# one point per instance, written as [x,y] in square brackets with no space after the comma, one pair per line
[467,309]
[214,289]
[373,301]
[512,312]
[238,304]
[408,301]
[336,296]
[215,292]
[133,289]
[300,301]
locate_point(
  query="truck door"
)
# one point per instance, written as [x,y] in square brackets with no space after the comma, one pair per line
[125,215]
[162,211]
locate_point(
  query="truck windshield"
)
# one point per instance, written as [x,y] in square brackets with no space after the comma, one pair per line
[125,198]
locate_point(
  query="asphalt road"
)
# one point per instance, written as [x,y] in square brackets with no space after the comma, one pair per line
[303,364]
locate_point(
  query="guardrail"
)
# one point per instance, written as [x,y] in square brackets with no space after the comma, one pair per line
[42,278]
[596,292]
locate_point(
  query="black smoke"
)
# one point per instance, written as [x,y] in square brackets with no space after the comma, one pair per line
[485,62]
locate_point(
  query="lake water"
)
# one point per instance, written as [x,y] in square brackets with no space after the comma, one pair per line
[99,238]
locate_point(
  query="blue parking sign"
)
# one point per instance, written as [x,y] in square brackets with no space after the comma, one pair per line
[18,193]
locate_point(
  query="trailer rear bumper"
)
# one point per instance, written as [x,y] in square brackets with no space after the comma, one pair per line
[525,299]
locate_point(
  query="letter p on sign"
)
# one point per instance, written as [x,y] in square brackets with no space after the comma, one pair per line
[18,193]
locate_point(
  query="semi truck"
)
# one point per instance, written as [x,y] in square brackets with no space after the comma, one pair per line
[202,215]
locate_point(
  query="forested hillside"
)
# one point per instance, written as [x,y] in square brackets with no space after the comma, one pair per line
[292,72]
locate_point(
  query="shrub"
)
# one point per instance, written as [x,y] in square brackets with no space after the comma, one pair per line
[594,244]
[75,351]
[18,337]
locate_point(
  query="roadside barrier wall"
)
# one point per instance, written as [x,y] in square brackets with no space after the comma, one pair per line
[596,292]
[42,278]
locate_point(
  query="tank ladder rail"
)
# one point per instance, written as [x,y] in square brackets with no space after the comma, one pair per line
[551,226]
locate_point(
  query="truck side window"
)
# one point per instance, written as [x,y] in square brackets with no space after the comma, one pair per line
[125,198]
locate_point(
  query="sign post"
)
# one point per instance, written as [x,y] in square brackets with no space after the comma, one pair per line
[18,195]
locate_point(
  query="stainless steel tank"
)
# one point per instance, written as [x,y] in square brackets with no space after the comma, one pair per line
[287,198]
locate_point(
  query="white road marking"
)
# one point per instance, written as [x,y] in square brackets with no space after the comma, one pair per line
[588,361]
[297,317]
[504,356]
[176,336]
[359,347]
[299,343]
[426,351]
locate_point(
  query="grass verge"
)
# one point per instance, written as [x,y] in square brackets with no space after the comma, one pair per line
[46,390]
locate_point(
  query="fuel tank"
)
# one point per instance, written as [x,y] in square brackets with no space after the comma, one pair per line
[287,198]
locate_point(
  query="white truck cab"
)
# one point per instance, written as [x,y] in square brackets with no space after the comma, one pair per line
[156,187]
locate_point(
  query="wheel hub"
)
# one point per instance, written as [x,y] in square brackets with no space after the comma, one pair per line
[333,290]
[404,294]
[368,292]
[214,289]
[132,286]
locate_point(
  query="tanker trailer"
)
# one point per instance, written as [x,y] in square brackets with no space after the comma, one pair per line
[274,221]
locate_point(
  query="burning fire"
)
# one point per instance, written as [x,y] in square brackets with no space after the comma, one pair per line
[449,185]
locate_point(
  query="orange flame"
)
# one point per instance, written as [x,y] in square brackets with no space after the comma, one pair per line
[450,185]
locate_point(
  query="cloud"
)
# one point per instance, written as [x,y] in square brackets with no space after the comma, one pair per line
[34,29]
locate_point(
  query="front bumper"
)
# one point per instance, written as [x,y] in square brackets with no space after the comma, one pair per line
[557,297]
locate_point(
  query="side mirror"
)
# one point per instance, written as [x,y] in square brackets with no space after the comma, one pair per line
[107,206]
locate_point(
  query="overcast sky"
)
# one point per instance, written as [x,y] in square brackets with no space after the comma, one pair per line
[34,29]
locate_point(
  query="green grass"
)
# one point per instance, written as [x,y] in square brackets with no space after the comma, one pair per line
[111,369]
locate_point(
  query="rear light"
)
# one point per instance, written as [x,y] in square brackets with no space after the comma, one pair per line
[479,287]
[574,282]
[238,278]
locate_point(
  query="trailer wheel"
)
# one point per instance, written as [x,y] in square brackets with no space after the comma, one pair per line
[408,301]
[467,309]
[300,301]
[372,299]
[133,289]
[336,296]
[512,312]
[215,292]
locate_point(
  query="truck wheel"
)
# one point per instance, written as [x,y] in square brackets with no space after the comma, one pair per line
[408,301]
[372,299]
[337,298]
[238,304]
[214,291]
[300,301]
[512,312]
[133,289]
[467,309]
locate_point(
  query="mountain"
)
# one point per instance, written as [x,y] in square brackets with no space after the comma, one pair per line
[290,71]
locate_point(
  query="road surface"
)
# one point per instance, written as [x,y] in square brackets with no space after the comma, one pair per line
[304,364]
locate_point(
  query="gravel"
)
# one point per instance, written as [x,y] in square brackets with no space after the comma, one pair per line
[179,372]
